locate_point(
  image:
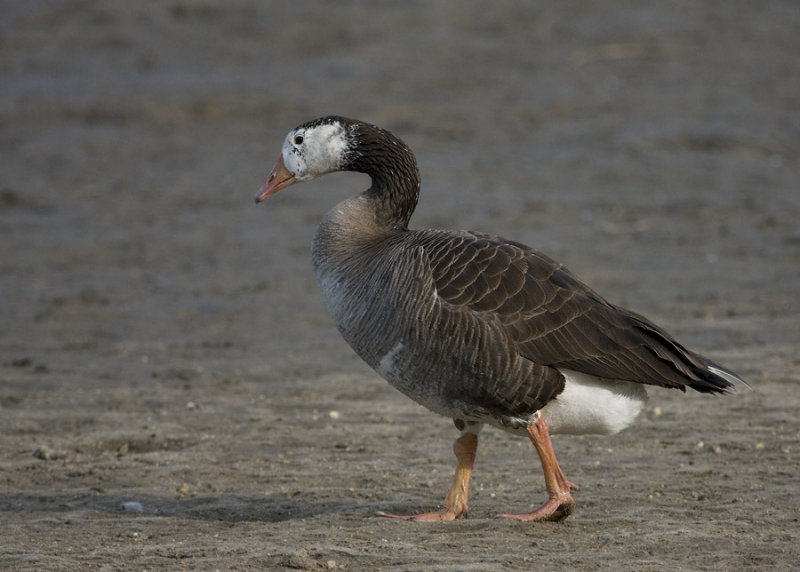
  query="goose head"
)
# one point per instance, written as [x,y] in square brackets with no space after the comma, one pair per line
[310,151]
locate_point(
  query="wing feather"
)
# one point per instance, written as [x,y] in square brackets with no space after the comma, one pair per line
[557,320]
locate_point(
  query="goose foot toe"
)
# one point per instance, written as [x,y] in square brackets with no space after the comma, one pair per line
[557,508]
[435,516]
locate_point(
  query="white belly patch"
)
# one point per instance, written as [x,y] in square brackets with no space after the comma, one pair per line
[592,405]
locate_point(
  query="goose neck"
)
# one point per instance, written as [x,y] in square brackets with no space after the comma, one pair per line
[393,170]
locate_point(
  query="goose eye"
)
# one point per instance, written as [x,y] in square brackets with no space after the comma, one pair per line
[298,139]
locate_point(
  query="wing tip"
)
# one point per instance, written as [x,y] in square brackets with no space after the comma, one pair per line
[724,380]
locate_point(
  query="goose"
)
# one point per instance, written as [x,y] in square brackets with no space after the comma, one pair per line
[473,326]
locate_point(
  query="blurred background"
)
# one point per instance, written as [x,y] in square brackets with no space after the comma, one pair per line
[652,147]
[134,136]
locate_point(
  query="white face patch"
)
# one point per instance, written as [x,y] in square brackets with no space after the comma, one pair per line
[309,152]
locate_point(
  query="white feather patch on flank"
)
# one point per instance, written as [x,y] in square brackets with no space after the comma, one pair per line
[593,405]
[386,367]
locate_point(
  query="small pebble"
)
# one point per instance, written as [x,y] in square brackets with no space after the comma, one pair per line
[47,454]
[132,506]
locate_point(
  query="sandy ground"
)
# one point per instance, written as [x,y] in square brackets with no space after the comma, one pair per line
[163,342]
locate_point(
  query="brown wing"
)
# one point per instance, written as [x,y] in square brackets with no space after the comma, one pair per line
[557,320]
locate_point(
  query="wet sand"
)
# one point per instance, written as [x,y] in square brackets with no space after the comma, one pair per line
[163,341]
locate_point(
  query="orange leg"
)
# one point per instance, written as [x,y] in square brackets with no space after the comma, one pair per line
[455,505]
[560,504]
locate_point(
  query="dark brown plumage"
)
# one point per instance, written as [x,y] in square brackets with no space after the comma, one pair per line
[474,326]
[557,320]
